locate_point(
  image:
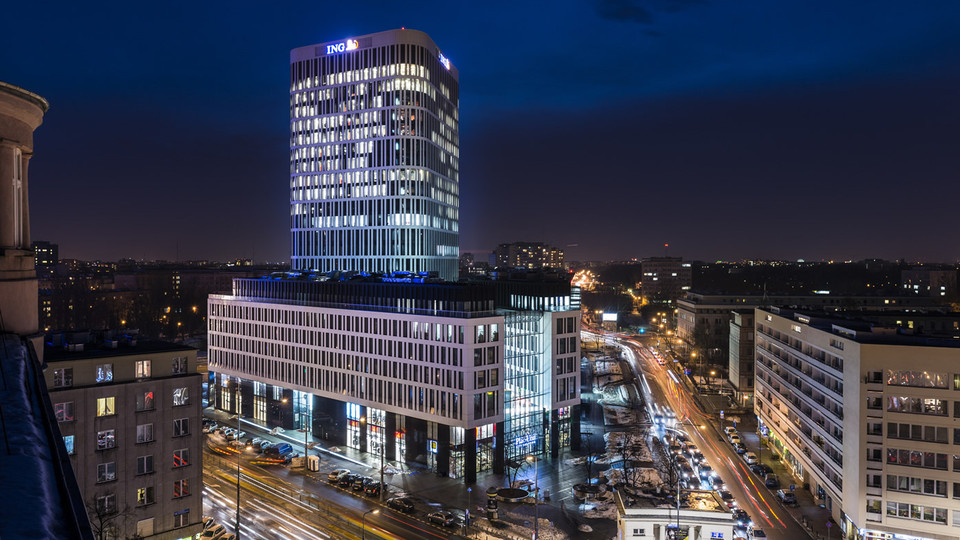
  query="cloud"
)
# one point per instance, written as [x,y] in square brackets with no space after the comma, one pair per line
[640,11]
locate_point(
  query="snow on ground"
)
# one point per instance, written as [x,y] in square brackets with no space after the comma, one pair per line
[602,508]
[616,416]
[607,366]
[514,528]
[637,440]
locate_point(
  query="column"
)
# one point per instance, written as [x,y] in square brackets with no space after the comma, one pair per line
[389,436]
[470,456]
[443,449]
[499,452]
[575,428]
[554,435]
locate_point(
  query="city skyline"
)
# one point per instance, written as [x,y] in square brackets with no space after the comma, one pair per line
[784,132]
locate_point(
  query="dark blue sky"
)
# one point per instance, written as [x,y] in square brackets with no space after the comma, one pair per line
[608,127]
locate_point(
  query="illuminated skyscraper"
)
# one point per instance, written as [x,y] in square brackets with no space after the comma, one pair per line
[374,156]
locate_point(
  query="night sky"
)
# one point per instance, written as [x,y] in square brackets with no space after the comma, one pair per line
[737,129]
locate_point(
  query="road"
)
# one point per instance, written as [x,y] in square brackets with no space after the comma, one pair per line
[662,387]
[277,503]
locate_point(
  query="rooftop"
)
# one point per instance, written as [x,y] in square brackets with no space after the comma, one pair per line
[861,330]
[71,346]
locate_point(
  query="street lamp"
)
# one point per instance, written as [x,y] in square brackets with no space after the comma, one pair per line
[238,476]
[363,523]
[536,496]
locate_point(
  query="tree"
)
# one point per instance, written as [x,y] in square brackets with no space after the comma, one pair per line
[513,468]
[104,517]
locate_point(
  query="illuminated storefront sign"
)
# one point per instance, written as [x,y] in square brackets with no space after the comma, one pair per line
[526,440]
[444,60]
[343,46]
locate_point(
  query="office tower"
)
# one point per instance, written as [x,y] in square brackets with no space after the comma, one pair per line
[665,279]
[866,417]
[374,156]
[43,499]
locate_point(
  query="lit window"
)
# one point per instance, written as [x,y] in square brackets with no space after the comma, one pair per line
[64,411]
[145,496]
[62,377]
[105,406]
[68,443]
[180,489]
[145,401]
[143,369]
[106,439]
[180,397]
[181,458]
[104,373]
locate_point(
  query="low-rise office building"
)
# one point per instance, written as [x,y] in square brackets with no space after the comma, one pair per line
[701,515]
[129,414]
[865,417]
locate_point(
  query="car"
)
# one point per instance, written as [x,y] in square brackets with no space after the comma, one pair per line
[739,448]
[680,460]
[750,458]
[698,457]
[442,517]
[729,430]
[735,440]
[346,480]
[256,441]
[372,488]
[742,518]
[716,482]
[229,536]
[360,482]
[761,469]
[758,533]
[787,497]
[213,532]
[334,475]
[264,444]
[403,504]
[771,481]
[728,498]
[209,427]
[706,471]
[685,471]
[692,449]
[207,523]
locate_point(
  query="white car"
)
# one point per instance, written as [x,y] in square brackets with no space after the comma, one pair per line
[750,458]
[734,439]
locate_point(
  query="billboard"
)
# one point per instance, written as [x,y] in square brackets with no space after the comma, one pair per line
[609,317]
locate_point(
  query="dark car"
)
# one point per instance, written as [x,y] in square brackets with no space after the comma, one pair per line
[372,488]
[697,457]
[361,482]
[728,498]
[442,517]
[403,504]
[787,497]
[761,469]
[771,481]
[346,480]
[716,482]
[742,518]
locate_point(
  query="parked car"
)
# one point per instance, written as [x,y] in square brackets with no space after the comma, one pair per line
[264,445]
[213,532]
[750,458]
[728,498]
[787,497]
[761,469]
[692,450]
[229,536]
[279,450]
[403,504]
[739,448]
[729,430]
[372,488]
[706,471]
[686,471]
[771,481]
[758,533]
[360,482]
[208,522]
[346,480]
[742,518]
[442,517]
[716,482]
[334,475]
[698,457]
[735,440]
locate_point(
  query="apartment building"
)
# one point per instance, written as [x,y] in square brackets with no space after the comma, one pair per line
[129,413]
[866,418]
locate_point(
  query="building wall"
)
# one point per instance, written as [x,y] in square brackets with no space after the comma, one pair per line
[860,445]
[741,366]
[92,413]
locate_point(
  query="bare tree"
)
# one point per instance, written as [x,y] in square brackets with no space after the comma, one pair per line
[104,517]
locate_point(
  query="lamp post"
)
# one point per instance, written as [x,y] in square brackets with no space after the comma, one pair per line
[238,476]
[363,523]
[536,496]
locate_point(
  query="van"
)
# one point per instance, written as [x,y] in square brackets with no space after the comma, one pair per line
[279,450]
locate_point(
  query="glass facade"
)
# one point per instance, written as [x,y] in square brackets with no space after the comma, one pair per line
[526,385]
[374,156]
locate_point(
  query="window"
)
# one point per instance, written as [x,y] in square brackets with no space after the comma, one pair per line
[144,464]
[639,532]
[145,496]
[144,433]
[68,443]
[106,439]
[104,373]
[179,365]
[181,427]
[107,504]
[181,518]
[181,458]
[143,369]
[873,506]
[62,377]
[180,489]
[64,411]
[145,401]
[180,397]
[145,528]
[106,472]
[105,406]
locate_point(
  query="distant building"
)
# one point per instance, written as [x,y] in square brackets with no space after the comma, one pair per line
[42,498]
[936,283]
[530,255]
[129,414]
[864,416]
[664,279]
[741,366]
[702,515]
[46,258]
